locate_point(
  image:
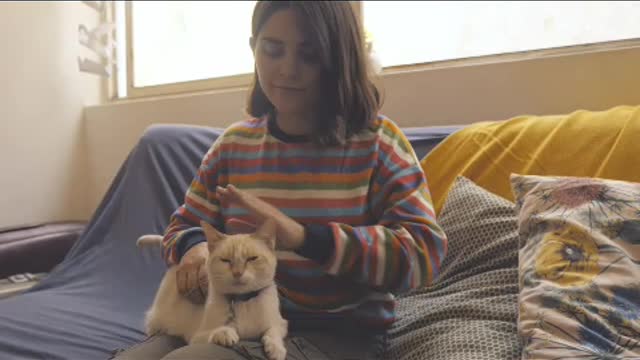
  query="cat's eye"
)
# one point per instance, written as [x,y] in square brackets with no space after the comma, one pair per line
[253,258]
[228,261]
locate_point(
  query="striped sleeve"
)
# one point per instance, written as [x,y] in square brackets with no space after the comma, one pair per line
[403,250]
[199,204]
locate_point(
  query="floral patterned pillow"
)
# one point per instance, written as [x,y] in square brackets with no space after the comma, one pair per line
[579,267]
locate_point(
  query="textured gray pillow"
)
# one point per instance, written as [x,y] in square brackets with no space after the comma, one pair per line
[471,312]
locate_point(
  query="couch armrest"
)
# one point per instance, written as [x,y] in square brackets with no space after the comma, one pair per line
[19,283]
[36,248]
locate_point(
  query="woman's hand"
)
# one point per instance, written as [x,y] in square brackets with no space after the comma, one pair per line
[289,233]
[192,275]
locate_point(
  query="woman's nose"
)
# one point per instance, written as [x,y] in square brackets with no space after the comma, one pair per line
[290,66]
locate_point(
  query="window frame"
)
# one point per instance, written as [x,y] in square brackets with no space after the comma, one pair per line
[232,82]
[243,81]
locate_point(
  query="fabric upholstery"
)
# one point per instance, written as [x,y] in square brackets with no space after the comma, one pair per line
[584,143]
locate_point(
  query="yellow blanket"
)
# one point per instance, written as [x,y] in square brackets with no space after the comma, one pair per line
[604,144]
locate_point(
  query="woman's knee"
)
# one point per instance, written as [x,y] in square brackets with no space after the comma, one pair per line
[208,352]
[152,348]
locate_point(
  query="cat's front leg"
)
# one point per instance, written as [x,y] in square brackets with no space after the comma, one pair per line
[201,337]
[224,335]
[273,341]
[151,324]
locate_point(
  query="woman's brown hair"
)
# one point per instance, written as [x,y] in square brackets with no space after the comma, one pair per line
[350,99]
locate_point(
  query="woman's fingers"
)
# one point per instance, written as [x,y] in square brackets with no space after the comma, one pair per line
[222,194]
[254,205]
[289,234]
[189,271]
[189,278]
[192,279]
[181,279]
[203,280]
[195,292]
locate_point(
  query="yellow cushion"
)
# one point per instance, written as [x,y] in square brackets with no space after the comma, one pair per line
[603,144]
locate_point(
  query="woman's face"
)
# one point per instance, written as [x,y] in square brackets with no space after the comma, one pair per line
[288,67]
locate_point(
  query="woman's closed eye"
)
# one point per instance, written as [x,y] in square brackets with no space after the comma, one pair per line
[276,49]
[272,48]
[252,258]
[228,261]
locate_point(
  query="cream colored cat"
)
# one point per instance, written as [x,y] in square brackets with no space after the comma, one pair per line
[242,300]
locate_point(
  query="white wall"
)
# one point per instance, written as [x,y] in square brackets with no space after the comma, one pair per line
[42,95]
[456,95]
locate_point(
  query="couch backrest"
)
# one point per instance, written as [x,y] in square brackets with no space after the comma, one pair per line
[604,144]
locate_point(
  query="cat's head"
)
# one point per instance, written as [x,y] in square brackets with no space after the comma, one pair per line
[243,262]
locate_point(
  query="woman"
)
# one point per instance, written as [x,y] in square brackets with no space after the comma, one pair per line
[351,203]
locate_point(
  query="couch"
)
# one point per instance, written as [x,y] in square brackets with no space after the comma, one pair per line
[36,248]
[482,181]
[543,219]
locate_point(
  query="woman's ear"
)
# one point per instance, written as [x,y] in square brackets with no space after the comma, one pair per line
[252,43]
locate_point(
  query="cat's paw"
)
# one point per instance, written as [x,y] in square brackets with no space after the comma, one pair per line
[274,348]
[224,336]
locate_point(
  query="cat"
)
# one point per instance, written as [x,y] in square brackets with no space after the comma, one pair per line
[242,300]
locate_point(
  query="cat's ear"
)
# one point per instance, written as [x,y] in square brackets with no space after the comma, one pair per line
[267,232]
[213,236]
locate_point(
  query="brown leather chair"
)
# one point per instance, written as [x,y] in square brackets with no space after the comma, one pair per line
[36,248]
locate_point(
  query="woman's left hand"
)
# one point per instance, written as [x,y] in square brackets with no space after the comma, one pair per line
[290,234]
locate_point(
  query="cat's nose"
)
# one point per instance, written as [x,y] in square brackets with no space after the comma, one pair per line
[237,274]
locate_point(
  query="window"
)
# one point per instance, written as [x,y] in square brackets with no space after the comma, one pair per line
[190,40]
[174,42]
[178,46]
[446,30]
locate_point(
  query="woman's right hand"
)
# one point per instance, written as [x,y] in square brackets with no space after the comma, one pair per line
[192,275]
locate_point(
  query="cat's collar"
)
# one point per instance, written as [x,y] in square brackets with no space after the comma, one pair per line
[235,298]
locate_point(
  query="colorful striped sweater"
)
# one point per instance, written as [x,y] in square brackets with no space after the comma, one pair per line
[371,227]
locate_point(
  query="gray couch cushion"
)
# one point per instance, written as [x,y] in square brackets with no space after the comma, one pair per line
[471,312]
